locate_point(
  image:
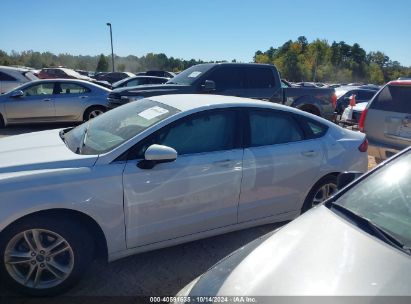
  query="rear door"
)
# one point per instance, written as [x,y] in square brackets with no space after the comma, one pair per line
[280,165]
[388,119]
[70,102]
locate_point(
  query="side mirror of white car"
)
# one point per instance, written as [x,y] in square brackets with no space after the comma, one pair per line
[156,154]
[17,93]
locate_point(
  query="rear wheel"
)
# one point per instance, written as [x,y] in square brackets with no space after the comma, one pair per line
[310,109]
[93,112]
[41,256]
[322,190]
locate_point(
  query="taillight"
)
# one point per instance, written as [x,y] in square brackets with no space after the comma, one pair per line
[334,100]
[362,120]
[364,146]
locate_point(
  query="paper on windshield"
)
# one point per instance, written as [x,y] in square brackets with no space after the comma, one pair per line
[153,112]
[194,74]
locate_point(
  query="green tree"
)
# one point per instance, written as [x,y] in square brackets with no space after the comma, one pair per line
[102,65]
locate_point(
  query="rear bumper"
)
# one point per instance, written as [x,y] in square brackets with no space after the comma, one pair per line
[382,151]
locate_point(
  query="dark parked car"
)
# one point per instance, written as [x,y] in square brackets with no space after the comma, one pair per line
[387,120]
[139,80]
[113,76]
[344,94]
[157,73]
[258,81]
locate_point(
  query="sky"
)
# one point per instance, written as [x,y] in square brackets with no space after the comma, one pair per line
[207,29]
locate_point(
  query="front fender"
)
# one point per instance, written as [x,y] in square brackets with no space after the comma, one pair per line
[96,192]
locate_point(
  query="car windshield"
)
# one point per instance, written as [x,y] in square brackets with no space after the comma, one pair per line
[190,75]
[384,198]
[108,131]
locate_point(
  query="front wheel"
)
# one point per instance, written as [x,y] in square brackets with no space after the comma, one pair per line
[322,190]
[43,256]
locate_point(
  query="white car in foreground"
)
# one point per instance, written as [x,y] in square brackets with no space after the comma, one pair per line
[156,173]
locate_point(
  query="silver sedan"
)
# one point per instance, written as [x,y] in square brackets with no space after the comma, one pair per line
[57,100]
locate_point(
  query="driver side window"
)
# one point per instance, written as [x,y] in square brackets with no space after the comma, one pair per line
[205,132]
[39,89]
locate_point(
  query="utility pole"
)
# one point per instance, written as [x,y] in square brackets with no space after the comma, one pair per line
[112,52]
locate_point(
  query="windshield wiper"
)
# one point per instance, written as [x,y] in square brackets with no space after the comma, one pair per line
[371,228]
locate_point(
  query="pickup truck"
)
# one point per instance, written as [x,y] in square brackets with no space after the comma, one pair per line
[259,81]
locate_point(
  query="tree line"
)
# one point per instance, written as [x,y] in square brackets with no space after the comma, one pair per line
[100,63]
[340,62]
[296,60]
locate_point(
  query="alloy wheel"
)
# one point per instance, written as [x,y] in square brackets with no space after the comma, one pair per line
[39,258]
[324,193]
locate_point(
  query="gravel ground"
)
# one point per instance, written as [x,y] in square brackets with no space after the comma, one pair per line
[160,272]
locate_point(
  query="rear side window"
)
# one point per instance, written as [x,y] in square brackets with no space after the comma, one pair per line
[365,95]
[270,128]
[6,77]
[259,78]
[393,99]
[313,129]
[72,88]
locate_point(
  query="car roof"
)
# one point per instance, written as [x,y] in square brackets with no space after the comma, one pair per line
[188,102]
[3,67]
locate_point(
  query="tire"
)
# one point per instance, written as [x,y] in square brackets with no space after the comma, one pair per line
[317,193]
[37,272]
[93,112]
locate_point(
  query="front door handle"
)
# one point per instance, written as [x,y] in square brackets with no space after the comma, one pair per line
[83,97]
[309,153]
[46,99]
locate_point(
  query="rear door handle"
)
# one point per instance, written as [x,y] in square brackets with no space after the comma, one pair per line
[83,97]
[309,153]
[46,99]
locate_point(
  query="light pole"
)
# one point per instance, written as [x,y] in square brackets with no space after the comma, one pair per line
[112,52]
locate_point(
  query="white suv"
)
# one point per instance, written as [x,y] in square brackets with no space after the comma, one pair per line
[11,77]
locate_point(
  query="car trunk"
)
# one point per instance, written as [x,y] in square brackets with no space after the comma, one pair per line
[388,117]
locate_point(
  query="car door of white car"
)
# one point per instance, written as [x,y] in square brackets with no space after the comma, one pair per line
[36,104]
[199,191]
[279,165]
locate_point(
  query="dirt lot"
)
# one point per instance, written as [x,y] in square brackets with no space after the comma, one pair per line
[160,272]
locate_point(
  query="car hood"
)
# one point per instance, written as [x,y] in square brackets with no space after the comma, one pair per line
[317,254]
[147,89]
[38,151]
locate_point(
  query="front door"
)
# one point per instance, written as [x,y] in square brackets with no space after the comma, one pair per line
[36,104]
[197,192]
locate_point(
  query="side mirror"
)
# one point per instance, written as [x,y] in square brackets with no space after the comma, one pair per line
[343,179]
[156,154]
[208,86]
[16,94]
